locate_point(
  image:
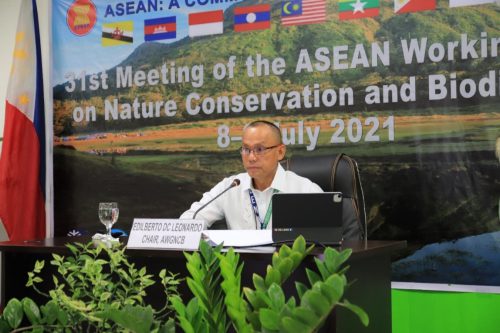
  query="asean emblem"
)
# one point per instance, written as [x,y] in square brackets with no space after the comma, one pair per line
[81,17]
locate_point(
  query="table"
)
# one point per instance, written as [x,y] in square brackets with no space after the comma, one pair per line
[370,270]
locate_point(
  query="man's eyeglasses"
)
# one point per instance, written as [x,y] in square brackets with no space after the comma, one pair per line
[258,150]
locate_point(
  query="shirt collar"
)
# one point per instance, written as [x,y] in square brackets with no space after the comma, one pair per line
[277,184]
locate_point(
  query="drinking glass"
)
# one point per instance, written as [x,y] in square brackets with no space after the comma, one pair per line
[108,214]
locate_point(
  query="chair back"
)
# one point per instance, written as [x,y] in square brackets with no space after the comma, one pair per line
[336,173]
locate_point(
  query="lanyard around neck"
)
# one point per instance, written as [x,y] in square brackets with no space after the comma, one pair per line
[263,224]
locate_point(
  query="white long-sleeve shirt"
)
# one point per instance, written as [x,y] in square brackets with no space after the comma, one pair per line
[234,206]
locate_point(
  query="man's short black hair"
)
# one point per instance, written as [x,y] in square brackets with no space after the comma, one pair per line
[269,124]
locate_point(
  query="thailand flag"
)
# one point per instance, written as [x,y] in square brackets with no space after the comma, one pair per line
[462,3]
[160,28]
[206,23]
[252,18]
[22,163]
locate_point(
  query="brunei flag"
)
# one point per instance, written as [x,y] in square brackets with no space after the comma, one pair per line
[249,18]
[354,9]
[22,162]
[117,33]
[409,6]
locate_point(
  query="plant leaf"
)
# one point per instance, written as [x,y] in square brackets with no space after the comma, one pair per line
[269,319]
[294,326]
[13,313]
[363,316]
[31,310]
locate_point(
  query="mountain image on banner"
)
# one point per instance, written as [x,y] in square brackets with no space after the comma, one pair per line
[354,9]
[409,6]
[117,33]
[22,162]
[206,23]
[250,18]
[462,3]
[299,12]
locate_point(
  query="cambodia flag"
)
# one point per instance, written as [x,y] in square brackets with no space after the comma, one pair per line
[160,28]
[22,163]
[249,18]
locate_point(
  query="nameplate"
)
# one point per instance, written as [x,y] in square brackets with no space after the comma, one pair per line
[165,234]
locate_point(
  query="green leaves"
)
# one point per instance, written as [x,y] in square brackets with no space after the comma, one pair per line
[98,289]
[205,282]
[13,313]
[31,310]
[264,308]
[95,288]
[137,319]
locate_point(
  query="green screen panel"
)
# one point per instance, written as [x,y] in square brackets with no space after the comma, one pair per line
[417,311]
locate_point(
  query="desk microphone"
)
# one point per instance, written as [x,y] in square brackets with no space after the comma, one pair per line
[234,183]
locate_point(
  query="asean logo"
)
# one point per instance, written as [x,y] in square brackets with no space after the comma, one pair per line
[81,17]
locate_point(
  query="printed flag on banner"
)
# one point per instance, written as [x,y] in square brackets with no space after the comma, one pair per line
[22,163]
[117,33]
[252,18]
[462,3]
[409,6]
[354,9]
[160,28]
[206,23]
[298,12]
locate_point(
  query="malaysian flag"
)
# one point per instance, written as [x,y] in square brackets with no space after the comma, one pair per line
[298,12]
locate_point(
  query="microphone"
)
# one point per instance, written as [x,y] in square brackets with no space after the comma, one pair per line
[234,183]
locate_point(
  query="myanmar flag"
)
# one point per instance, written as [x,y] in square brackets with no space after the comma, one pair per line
[354,9]
[408,6]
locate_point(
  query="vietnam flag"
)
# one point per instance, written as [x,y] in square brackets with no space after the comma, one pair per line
[408,6]
[22,163]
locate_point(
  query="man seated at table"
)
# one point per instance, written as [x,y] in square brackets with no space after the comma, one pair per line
[248,206]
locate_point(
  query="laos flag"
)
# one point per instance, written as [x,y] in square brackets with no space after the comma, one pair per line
[22,162]
[250,18]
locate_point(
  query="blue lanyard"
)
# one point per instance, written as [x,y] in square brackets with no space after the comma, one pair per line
[263,224]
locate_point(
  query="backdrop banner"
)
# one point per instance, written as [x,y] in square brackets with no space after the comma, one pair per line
[150,98]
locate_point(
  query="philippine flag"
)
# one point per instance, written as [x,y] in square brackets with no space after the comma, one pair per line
[160,28]
[252,18]
[206,23]
[408,6]
[22,163]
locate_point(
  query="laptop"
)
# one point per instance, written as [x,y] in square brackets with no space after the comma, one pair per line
[316,216]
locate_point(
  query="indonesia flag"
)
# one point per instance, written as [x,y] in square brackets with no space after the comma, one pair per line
[206,23]
[22,163]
